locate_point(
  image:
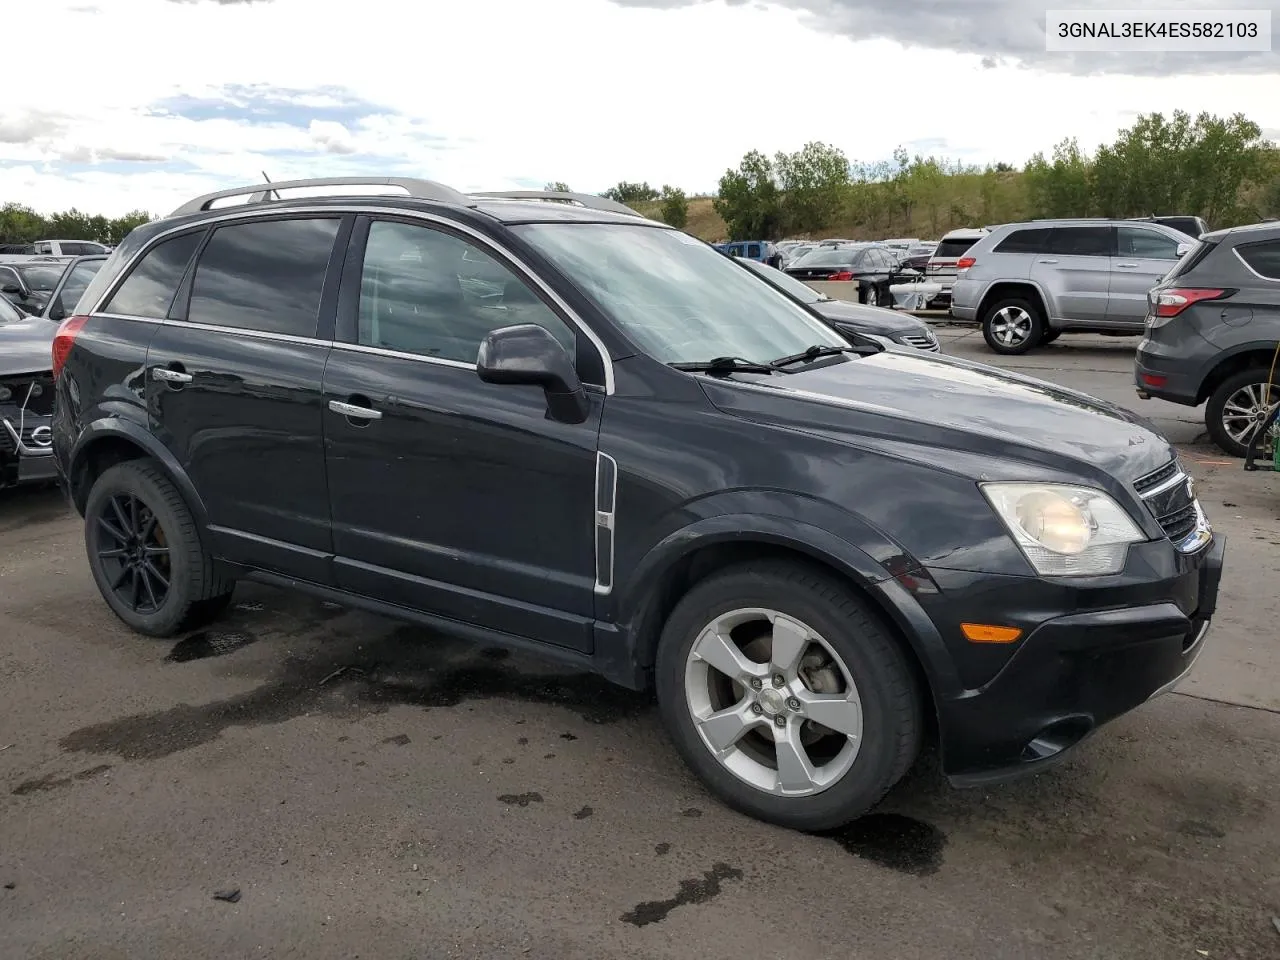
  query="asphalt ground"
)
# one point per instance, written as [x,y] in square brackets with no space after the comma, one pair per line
[373,790]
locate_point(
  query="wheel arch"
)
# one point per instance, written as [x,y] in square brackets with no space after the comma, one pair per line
[686,558]
[1243,357]
[1001,289]
[112,440]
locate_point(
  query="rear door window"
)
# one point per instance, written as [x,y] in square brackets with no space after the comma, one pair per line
[266,275]
[753,251]
[149,289]
[1145,244]
[1035,240]
[1082,241]
[1263,258]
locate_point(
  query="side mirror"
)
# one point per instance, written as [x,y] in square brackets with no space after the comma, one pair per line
[10,288]
[57,311]
[529,354]
[1184,249]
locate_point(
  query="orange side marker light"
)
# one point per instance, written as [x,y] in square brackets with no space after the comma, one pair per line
[989,633]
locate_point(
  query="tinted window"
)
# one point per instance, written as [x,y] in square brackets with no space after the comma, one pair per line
[429,293]
[44,249]
[955,248]
[43,279]
[753,250]
[265,275]
[150,288]
[77,283]
[1081,241]
[71,248]
[1264,257]
[827,257]
[1136,242]
[1025,241]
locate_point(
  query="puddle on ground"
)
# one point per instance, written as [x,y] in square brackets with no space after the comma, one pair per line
[355,676]
[894,841]
[208,643]
[691,891]
[54,782]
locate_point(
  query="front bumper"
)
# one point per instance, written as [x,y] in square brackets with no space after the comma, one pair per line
[26,450]
[1077,671]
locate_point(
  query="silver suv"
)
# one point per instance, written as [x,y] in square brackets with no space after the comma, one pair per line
[1026,283]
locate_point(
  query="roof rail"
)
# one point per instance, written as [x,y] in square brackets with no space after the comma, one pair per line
[418,189]
[585,199]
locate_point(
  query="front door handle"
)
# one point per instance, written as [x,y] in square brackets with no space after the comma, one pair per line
[354,411]
[1127,266]
[169,375]
[1046,261]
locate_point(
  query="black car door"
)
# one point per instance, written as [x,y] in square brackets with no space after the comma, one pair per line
[450,495]
[233,387]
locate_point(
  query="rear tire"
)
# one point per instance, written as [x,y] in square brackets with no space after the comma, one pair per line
[871,296]
[1012,326]
[146,555]
[842,649]
[1232,407]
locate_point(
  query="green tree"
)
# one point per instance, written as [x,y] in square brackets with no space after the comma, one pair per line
[814,182]
[1061,187]
[675,207]
[120,227]
[20,224]
[626,192]
[925,185]
[557,186]
[748,200]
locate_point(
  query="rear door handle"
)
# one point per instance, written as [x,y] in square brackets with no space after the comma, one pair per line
[1127,266]
[354,411]
[1047,261]
[170,376]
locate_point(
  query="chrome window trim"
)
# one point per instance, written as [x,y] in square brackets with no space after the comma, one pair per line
[257,213]
[1245,264]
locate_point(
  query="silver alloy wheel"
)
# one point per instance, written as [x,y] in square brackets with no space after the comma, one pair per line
[873,297]
[1011,326]
[1246,408]
[773,702]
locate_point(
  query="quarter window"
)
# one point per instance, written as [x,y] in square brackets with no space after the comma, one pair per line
[426,292]
[266,275]
[1136,242]
[1025,241]
[150,287]
[1263,258]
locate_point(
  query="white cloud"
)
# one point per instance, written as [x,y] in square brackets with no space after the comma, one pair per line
[490,92]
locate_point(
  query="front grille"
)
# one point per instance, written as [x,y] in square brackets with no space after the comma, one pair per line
[34,391]
[920,341]
[34,431]
[1167,494]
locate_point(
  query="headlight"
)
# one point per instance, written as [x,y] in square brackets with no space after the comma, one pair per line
[1065,531]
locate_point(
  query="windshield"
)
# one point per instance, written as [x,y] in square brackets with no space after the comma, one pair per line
[829,257]
[8,312]
[41,278]
[801,291]
[675,296]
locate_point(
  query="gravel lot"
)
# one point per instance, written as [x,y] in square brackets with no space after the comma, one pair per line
[373,790]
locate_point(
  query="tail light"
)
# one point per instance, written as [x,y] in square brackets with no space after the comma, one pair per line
[964,263]
[64,339]
[842,275]
[1171,302]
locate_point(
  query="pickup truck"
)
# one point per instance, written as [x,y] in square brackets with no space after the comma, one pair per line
[41,249]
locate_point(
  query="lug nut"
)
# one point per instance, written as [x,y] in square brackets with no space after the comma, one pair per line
[756,684]
[779,721]
[756,708]
[793,703]
[779,680]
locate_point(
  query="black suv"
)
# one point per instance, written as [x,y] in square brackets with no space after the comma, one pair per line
[543,421]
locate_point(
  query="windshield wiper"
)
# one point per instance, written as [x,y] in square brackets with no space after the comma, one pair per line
[724,365]
[816,352]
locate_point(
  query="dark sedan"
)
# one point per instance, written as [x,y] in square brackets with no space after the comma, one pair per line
[848,317]
[869,269]
[28,286]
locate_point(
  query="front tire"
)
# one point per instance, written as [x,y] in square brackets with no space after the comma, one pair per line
[786,695]
[1012,326]
[146,555]
[1234,408]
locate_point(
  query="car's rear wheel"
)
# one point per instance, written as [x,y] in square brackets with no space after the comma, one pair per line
[787,696]
[1236,408]
[146,555]
[871,296]
[1012,326]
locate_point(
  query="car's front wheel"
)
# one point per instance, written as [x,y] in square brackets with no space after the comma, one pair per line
[1012,326]
[145,552]
[787,696]
[1236,408]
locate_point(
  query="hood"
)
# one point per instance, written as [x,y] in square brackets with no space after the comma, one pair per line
[26,346]
[877,320]
[979,412]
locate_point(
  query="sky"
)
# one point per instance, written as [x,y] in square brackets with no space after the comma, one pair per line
[143,104]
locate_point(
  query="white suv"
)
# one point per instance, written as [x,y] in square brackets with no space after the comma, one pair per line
[941,267]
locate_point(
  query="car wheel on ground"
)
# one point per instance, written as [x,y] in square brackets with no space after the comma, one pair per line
[1012,326]
[1236,407]
[145,552]
[786,696]
[871,296]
